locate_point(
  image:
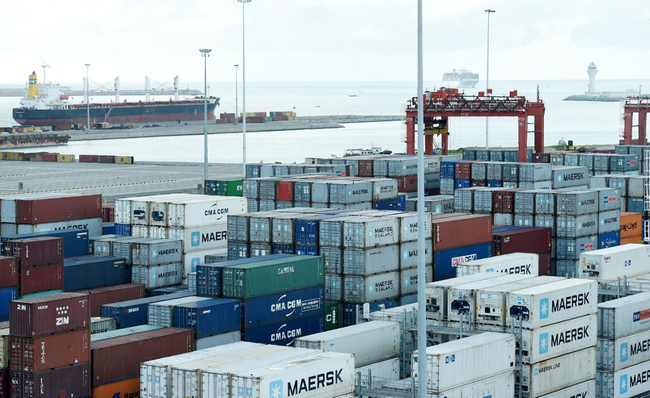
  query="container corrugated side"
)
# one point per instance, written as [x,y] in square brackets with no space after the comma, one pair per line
[124,388]
[218,340]
[58,313]
[409,254]
[156,252]
[437,297]
[284,332]
[370,261]
[580,390]
[95,226]
[113,294]
[627,351]
[569,176]
[366,232]
[46,210]
[283,306]
[446,261]
[511,263]
[209,210]
[90,272]
[625,383]
[155,276]
[624,316]
[134,312]
[461,361]
[409,227]
[370,342]
[101,324]
[362,289]
[552,375]
[48,352]
[213,236]
[162,312]
[209,317]
[615,262]
[69,382]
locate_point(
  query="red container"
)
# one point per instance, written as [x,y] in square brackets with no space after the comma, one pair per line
[463,170]
[42,316]
[63,208]
[460,230]
[41,279]
[407,184]
[366,168]
[68,382]
[544,264]
[32,252]
[88,158]
[4,383]
[120,358]
[112,294]
[49,157]
[284,190]
[479,183]
[542,157]
[8,271]
[105,159]
[49,352]
[108,212]
[503,201]
[524,240]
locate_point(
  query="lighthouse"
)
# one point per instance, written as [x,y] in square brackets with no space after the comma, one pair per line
[592,71]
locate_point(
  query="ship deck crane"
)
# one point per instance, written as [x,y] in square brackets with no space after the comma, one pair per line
[440,105]
[640,105]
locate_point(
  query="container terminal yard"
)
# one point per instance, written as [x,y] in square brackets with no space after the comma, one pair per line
[124,278]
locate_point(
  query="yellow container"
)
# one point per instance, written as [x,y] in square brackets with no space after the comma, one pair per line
[65,158]
[632,239]
[125,388]
[124,159]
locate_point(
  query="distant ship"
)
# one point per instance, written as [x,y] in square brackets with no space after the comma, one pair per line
[48,106]
[461,78]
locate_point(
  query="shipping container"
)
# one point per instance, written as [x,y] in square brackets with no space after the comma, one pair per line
[627,351]
[534,172]
[615,262]
[333,315]
[370,261]
[284,332]
[368,232]
[41,279]
[550,303]
[156,252]
[56,209]
[334,287]
[155,276]
[578,226]
[206,237]
[8,272]
[75,242]
[218,340]
[108,362]
[409,280]
[461,230]
[5,348]
[577,203]
[283,306]
[124,388]
[409,254]
[609,239]
[445,262]
[512,263]
[100,324]
[91,272]
[527,240]
[113,334]
[94,226]
[200,211]
[362,289]
[609,221]
[67,382]
[624,316]
[459,362]
[112,294]
[134,312]
[209,317]
[584,389]
[631,224]
[32,252]
[552,375]
[209,275]
[570,176]
[48,352]
[628,382]
[571,249]
[41,316]
[162,313]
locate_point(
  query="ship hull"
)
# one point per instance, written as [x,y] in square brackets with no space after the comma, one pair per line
[122,113]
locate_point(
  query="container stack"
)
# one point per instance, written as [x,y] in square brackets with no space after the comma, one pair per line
[638,151]
[134,312]
[621,162]
[38,262]
[623,360]
[157,263]
[512,263]
[8,284]
[50,346]
[631,190]
[214,321]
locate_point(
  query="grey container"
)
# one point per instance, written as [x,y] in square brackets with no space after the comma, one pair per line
[267,170]
[284,228]
[596,182]
[570,176]
[238,227]
[609,221]
[320,191]
[366,232]
[510,172]
[259,249]
[267,188]
[545,202]
[547,221]
[496,155]
[97,325]
[348,192]
[283,204]
[253,205]
[533,172]
[636,186]
[576,226]
[155,276]
[620,183]
[479,171]
[570,249]
[557,159]
[571,159]
[237,250]
[371,261]
[403,167]
[333,259]
[122,248]
[525,202]
[252,170]
[586,160]
[365,289]
[482,200]
[267,204]
[608,199]
[510,155]
[446,186]
[251,188]
[331,232]
[601,162]
[380,167]
[431,181]
[386,188]
[333,287]
[464,199]
[547,184]
[495,171]
[302,191]
[482,155]
[469,154]
[576,203]
[622,149]
[523,220]
[503,219]
[408,254]
[161,313]
[261,226]
[567,268]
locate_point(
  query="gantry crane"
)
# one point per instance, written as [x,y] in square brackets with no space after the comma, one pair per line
[640,105]
[440,105]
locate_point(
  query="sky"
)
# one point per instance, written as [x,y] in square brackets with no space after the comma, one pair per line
[322,40]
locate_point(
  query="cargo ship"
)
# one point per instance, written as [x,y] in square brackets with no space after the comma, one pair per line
[49,106]
[461,78]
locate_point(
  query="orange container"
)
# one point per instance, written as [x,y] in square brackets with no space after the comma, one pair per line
[123,389]
[631,224]
[632,239]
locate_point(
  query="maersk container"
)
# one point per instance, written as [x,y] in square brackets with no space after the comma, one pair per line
[459,362]
[75,242]
[122,247]
[446,261]
[100,325]
[534,172]
[383,188]
[461,299]
[409,280]
[512,263]
[94,226]
[209,317]
[362,289]
[156,276]
[408,227]
[282,306]
[571,249]
[577,203]
[206,210]
[162,312]
[371,261]
[609,221]
[625,383]
[609,239]
[367,232]
[570,176]
[557,373]
[204,237]
[156,252]
[525,202]
[550,303]
[558,339]
[576,227]
[620,183]
[91,272]
[627,351]
[624,316]
[134,312]
[409,254]
[636,187]
[370,342]
[284,332]
[386,370]
[580,390]
[545,202]
[334,287]
[41,316]
[501,385]
[546,221]
[272,276]
[437,297]
[615,262]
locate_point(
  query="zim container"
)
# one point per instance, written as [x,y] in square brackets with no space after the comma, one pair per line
[33,252]
[49,352]
[209,317]
[272,276]
[41,279]
[57,313]
[66,382]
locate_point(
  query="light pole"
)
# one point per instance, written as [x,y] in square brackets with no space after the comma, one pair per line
[205,53]
[487,74]
[236,93]
[243,77]
[87,97]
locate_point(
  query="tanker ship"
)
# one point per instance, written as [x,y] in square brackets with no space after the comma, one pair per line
[48,106]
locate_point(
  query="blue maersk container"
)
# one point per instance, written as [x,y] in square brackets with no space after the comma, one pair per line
[91,272]
[350,309]
[446,261]
[6,295]
[283,306]
[284,332]
[210,317]
[609,239]
[208,276]
[75,241]
[134,312]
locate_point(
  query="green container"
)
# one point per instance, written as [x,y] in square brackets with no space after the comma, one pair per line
[272,276]
[333,315]
[225,187]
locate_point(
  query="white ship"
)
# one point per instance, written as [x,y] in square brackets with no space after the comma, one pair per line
[461,78]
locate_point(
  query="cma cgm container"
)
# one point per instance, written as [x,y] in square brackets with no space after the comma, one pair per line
[48,352]
[90,272]
[283,306]
[134,312]
[553,374]
[208,210]
[108,356]
[284,332]
[370,342]
[75,241]
[67,382]
[33,252]
[209,317]
[624,316]
[460,230]
[615,262]
[445,262]
[47,210]
[461,361]
[112,294]
[266,277]
[512,263]
[57,313]
[550,303]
